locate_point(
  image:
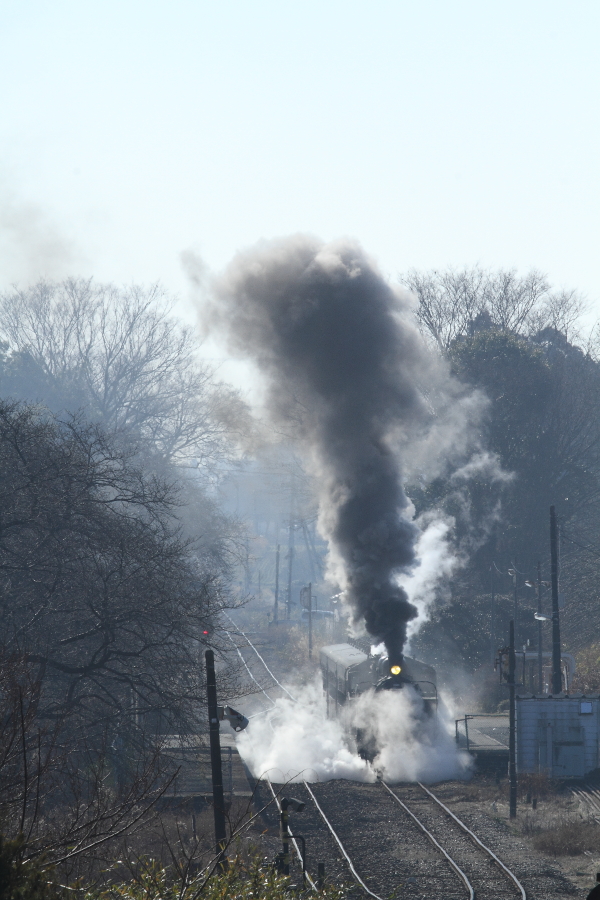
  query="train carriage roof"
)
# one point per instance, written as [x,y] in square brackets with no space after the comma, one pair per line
[343,655]
[349,657]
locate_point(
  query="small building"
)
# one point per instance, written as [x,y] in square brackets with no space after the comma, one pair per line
[558,734]
[527,670]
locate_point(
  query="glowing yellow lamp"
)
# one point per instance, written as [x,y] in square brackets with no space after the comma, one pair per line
[395,670]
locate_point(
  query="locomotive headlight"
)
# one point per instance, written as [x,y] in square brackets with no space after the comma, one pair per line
[395,670]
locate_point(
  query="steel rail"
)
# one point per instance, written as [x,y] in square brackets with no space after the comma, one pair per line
[313,886]
[588,797]
[257,683]
[589,801]
[464,878]
[247,639]
[479,843]
[341,846]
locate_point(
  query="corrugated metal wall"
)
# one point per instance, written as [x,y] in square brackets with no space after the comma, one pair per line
[558,735]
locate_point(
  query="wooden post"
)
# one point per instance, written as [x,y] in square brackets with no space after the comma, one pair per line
[320,876]
[540,633]
[515,601]
[493,617]
[215,761]
[556,672]
[512,755]
[290,564]
[285,836]
[276,607]
[310,619]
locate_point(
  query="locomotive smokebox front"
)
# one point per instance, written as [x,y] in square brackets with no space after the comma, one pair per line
[391,672]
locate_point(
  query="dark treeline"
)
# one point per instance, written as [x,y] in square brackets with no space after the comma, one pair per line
[115,563]
[517,341]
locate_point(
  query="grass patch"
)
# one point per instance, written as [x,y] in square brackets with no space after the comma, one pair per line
[243,880]
[568,839]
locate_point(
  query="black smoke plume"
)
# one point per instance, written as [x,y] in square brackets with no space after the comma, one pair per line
[336,342]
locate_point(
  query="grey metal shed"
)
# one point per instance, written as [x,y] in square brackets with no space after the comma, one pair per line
[558,734]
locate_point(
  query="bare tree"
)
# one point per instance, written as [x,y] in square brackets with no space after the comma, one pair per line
[448,301]
[64,793]
[105,612]
[120,355]
[457,303]
[560,312]
[97,585]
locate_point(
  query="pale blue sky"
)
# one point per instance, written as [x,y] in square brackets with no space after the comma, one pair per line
[438,133]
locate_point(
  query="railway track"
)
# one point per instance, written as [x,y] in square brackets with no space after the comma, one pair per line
[400,839]
[589,799]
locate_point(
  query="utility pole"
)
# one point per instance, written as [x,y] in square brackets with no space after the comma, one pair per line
[215,761]
[556,672]
[512,755]
[310,619]
[276,607]
[539,609]
[515,600]
[290,564]
[493,616]
[309,551]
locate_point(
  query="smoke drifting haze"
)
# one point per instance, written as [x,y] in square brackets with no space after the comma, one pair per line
[349,373]
[31,245]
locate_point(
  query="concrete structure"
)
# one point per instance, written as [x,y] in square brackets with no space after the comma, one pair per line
[193,783]
[486,738]
[558,734]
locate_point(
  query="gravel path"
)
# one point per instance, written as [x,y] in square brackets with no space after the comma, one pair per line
[320,846]
[393,856]
[542,879]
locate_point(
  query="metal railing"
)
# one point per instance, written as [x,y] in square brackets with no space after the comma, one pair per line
[468,716]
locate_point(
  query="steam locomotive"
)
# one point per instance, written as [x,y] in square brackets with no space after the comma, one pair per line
[348,672]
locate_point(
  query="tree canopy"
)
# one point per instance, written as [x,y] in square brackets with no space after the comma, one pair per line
[518,340]
[120,355]
[106,608]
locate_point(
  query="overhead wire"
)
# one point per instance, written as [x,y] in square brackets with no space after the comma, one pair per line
[257,683]
[247,639]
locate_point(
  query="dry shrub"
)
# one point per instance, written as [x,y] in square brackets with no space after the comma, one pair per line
[568,839]
[537,784]
[243,880]
[477,791]
[587,678]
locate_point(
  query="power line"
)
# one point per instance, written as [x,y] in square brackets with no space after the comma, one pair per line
[245,636]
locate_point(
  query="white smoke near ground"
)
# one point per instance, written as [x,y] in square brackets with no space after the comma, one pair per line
[297,741]
[414,745]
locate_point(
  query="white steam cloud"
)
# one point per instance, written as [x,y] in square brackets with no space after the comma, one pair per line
[298,742]
[295,741]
